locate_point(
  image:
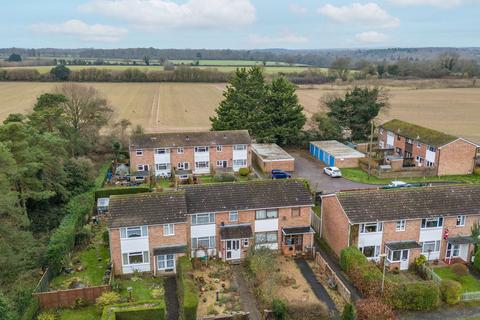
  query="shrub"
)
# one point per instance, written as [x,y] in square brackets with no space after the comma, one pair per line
[224,177]
[348,312]
[187,290]
[451,291]
[244,172]
[279,309]
[31,309]
[420,261]
[83,237]
[477,171]
[459,269]
[420,295]
[106,299]
[373,309]
[106,238]
[351,256]
[46,315]
[107,192]
[476,262]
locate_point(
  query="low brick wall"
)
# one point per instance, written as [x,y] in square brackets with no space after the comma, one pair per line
[238,316]
[67,298]
[341,288]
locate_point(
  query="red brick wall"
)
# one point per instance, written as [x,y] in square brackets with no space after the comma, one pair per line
[457,158]
[146,158]
[335,224]
[287,165]
[187,156]
[157,239]
[247,216]
[346,163]
[115,250]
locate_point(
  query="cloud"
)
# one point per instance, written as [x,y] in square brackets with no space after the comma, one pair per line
[82,30]
[158,14]
[433,3]
[369,14]
[297,9]
[285,39]
[371,37]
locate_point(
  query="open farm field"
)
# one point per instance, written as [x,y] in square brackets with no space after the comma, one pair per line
[187,106]
[233,63]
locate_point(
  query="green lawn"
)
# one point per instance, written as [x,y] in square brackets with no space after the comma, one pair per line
[87,313]
[469,282]
[93,260]
[358,175]
[143,287]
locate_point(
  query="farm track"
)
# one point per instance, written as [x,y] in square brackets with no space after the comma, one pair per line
[188,106]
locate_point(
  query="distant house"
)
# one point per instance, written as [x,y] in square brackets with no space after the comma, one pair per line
[404,223]
[423,147]
[269,156]
[148,232]
[195,152]
[335,154]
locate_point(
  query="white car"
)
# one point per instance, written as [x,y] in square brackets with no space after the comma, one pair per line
[398,184]
[333,172]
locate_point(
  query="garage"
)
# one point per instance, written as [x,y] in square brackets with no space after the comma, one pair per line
[335,154]
[269,156]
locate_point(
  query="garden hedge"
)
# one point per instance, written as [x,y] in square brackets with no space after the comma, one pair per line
[62,240]
[418,295]
[145,310]
[187,290]
[107,192]
[350,257]
[451,291]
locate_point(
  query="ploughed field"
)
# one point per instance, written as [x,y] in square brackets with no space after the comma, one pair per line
[188,106]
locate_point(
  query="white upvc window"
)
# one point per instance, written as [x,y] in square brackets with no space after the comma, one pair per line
[139,152]
[432,223]
[133,258]
[219,148]
[239,147]
[432,148]
[400,225]
[266,237]
[134,232]
[169,229]
[142,167]
[162,166]
[266,214]
[410,141]
[370,251]
[201,149]
[162,151]
[430,246]
[180,150]
[233,216]
[245,242]
[240,162]
[371,227]
[166,262]
[201,164]
[203,218]
[203,243]
[419,159]
[461,221]
[220,163]
[419,145]
[396,255]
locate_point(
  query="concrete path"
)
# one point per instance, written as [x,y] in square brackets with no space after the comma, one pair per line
[171,300]
[450,313]
[309,168]
[247,300]
[316,286]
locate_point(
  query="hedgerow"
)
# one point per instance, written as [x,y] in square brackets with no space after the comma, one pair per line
[187,290]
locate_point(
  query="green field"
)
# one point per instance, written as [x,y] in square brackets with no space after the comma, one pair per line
[234,63]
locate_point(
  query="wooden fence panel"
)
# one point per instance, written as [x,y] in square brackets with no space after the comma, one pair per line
[316,222]
[68,298]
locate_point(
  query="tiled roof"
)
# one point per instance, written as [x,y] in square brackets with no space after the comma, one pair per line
[402,245]
[297,230]
[236,231]
[419,133]
[410,203]
[185,139]
[147,209]
[234,196]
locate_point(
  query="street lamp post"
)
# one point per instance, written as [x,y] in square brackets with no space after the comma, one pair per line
[383,256]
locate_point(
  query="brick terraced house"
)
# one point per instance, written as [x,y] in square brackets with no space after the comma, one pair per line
[423,147]
[190,152]
[148,232]
[403,223]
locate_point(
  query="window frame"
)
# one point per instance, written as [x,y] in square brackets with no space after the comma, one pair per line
[165,258]
[165,164]
[165,150]
[198,148]
[234,213]
[400,225]
[143,232]
[426,220]
[171,229]
[211,218]
[242,164]
[436,246]
[205,163]
[144,254]
[239,147]
[296,212]
[139,152]
[460,222]
[266,211]
[211,242]
[219,148]
[180,150]
[376,251]
[378,227]
[268,237]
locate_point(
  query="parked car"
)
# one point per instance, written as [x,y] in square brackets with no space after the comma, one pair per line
[280,174]
[333,172]
[398,184]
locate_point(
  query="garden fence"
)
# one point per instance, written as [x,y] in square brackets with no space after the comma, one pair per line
[42,285]
[470,296]
[316,222]
[325,267]
[432,275]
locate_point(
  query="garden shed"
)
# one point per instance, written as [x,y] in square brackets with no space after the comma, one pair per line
[335,154]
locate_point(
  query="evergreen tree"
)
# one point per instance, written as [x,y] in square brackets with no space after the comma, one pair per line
[348,312]
[60,72]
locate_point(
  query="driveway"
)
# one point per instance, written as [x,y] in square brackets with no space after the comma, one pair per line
[311,169]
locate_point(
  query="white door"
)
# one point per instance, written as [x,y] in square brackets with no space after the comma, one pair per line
[233,250]
[453,251]
[404,259]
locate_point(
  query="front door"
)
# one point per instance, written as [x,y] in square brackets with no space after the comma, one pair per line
[404,259]
[233,250]
[453,251]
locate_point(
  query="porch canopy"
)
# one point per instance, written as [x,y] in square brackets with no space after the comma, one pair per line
[297,230]
[169,250]
[236,231]
[403,245]
[460,240]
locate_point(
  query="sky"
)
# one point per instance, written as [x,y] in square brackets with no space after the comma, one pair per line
[239,24]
